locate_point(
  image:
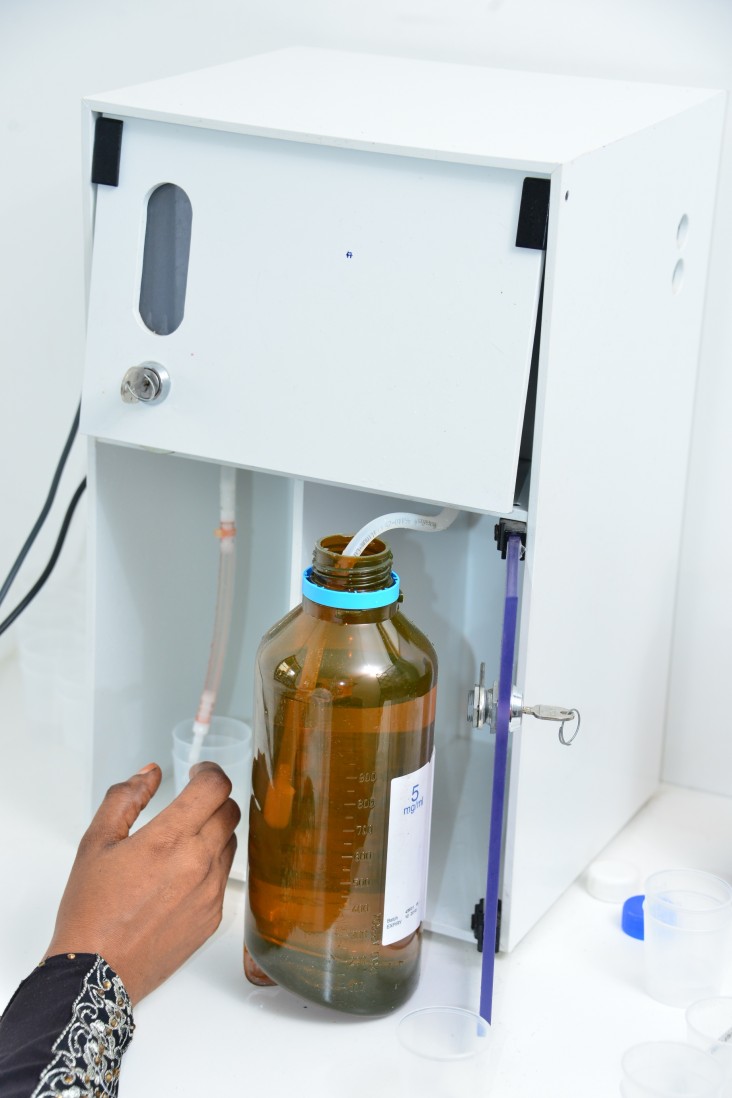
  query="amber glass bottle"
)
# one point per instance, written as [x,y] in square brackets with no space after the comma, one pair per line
[341,789]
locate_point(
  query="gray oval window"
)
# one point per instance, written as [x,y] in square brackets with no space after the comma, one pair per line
[165,259]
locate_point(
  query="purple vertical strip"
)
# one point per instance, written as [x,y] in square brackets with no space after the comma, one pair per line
[503,717]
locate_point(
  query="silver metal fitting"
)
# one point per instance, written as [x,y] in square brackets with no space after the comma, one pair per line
[147,383]
[483,703]
[483,706]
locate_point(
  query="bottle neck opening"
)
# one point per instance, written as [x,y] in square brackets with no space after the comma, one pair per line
[365,582]
[370,571]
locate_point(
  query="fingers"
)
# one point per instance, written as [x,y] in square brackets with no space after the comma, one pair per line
[122,805]
[227,855]
[217,831]
[206,792]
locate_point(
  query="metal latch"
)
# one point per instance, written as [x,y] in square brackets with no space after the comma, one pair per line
[483,704]
[146,383]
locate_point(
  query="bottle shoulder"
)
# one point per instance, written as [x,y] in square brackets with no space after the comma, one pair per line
[285,624]
[414,634]
[298,627]
[373,661]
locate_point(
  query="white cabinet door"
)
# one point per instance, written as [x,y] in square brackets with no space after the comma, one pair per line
[353,318]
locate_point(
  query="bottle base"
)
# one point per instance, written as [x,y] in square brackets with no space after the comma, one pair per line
[254,974]
[369,990]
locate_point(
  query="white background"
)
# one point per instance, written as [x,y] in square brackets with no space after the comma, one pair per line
[53,53]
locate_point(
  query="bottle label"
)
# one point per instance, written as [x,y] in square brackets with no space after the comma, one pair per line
[407,853]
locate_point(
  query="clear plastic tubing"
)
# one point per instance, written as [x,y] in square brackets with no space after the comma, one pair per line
[226,533]
[403,520]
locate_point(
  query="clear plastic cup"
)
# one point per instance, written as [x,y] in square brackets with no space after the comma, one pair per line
[228,743]
[709,1027]
[687,915]
[669,1069]
[443,1052]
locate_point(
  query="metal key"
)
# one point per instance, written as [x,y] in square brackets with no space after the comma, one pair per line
[548,712]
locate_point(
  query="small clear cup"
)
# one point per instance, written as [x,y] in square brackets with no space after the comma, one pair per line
[443,1052]
[687,916]
[669,1069]
[228,743]
[709,1027]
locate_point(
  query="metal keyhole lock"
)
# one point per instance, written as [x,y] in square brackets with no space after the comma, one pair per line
[147,383]
[483,704]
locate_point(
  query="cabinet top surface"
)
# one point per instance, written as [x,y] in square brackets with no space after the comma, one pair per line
[404,106]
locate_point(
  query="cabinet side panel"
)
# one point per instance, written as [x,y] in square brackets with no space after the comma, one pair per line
[624,301]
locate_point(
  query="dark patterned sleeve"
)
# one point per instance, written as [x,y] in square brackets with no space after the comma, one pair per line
[64,1031]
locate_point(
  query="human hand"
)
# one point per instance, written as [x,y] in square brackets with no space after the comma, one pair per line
[146,902]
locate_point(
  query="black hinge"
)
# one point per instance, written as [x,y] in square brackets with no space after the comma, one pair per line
[503,530]
[477,924]
[107,151]
[531,231]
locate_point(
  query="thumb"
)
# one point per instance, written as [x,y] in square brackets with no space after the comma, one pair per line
[122,804]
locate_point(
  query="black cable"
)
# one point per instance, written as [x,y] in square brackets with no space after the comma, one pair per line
[24,602]
[44,511]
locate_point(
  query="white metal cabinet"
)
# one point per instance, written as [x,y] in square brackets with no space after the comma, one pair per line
[355,218]
[385,287]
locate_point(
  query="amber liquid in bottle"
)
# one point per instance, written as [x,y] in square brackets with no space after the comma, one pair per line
[346,703]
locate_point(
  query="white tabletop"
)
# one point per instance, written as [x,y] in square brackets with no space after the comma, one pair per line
[568,1000]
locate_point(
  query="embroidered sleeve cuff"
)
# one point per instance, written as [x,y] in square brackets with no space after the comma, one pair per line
[65,1030]
[88,1053]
